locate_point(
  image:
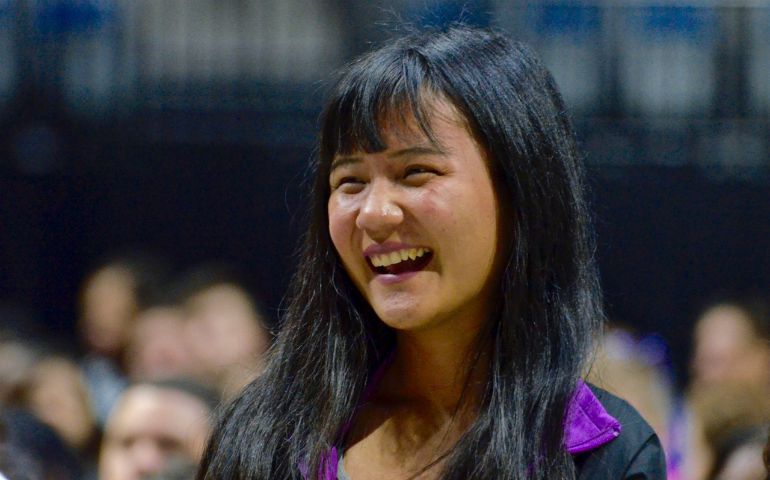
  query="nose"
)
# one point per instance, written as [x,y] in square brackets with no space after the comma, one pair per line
[380,212]
[147,457]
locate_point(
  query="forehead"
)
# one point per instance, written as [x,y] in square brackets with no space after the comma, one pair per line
[223,297]
[159,314]
[723,320]
[156,412]
[58,370]
[107,279]
[158,319]
[435,126]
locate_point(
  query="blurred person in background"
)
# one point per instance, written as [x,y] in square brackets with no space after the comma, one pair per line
[15,463]
[55,392]
[741,457]
[30,449]
[732,344]
[177,469]
[16,362]
[766,455]
[157,348]
[731,421]
[154,427]
[635,370]
[20,333]
[110,297]
[46,426]
[730,379]
[225,328]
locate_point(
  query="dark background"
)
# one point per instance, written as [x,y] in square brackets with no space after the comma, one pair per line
[185,128]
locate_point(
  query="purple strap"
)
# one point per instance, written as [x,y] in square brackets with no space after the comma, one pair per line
[329,463]
[328,468]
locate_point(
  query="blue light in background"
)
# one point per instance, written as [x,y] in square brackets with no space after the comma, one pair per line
[441,14]
[567,19]
[5,10]
[70,17]
[682,20]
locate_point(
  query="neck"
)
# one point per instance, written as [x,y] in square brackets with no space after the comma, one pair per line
[438,371]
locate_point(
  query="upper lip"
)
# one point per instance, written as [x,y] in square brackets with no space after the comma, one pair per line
[387,247]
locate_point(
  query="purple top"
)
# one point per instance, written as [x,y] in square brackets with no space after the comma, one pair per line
[587,427]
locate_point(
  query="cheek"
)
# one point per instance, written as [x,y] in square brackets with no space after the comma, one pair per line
[341,224]
[480,227]
[437,207]
[467,215]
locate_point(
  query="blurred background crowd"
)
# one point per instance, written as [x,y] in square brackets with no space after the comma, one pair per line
[153,159]
[158,354]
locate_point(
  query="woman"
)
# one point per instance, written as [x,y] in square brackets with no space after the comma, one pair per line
[446,299]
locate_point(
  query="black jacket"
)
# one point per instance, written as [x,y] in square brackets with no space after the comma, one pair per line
[635,455]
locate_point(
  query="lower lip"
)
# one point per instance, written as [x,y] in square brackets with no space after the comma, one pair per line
[390,279]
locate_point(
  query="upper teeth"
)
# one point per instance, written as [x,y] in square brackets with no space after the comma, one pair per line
[387,259]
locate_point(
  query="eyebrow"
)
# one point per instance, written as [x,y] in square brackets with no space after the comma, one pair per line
[342,161]
[404,152]
[417,150]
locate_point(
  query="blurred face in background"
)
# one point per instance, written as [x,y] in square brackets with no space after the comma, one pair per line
[16,362]
[745,463]
[108,304]
[157,348]
[57,395]
[225,335]
[727,348]
[623,368]
[150,427]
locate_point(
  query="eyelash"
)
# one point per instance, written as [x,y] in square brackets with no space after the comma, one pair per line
[419,169]
[345,181]
[419,175]
[408,172]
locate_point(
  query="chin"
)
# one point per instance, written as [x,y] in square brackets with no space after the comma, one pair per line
[399,320]
[404,320]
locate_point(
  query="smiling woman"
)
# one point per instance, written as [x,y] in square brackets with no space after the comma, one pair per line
[447,300]
[438,202]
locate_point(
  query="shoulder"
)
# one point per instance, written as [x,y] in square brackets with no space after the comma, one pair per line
[635,454]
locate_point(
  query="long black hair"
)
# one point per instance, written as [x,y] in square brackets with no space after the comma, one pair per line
[550,308]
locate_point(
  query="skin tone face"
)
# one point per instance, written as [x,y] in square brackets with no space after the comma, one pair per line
[417,229]
[157,349]
[108,304]
[224,335]
[726,349]
[57,395]
[438,199]
[744,464]
[149,427]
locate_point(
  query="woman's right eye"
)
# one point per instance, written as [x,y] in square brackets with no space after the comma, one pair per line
[348,185]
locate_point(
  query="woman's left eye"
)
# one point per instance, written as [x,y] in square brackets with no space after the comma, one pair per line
[419,172]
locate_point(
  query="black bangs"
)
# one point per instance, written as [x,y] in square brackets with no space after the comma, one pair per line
[391,89]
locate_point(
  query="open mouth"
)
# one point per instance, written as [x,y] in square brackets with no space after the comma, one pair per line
[400,261]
